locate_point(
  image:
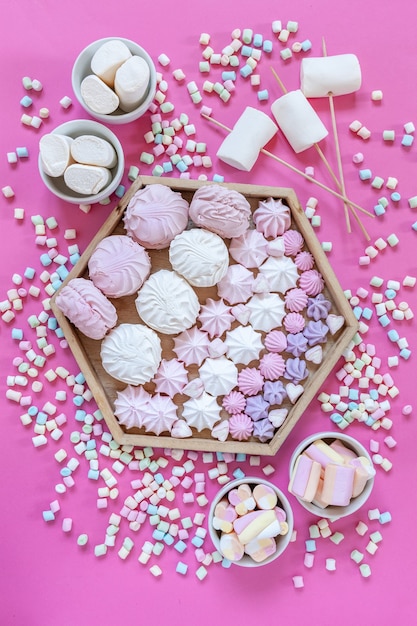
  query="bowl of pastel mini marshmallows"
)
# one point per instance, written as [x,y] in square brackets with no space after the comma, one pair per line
[81,161]
[250,522]
[331,474]
[114,80]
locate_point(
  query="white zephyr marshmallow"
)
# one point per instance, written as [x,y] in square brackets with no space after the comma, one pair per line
[93,150]
[252,131]
[98,96]
[55,151]
[131,82]
[86,179]
[298,121]
[108,58]
[339,75]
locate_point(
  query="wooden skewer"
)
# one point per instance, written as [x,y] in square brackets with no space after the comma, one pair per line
[316,145]
[299,172]
[337,147]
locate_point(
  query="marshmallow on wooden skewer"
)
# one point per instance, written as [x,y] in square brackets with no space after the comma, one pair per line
[338,75]
[298,121]
[250,134]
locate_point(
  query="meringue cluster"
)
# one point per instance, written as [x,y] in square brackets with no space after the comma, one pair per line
[241,356]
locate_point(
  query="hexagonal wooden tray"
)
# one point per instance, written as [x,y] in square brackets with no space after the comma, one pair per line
[104,388]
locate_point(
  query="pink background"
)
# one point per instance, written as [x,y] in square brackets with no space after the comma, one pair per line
[46,579]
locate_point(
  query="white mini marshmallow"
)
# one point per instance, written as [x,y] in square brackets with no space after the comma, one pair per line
[298,120]
[55,152]
[98,96]
[252,131]
[131,82]
[86,179]
[92,150]
[108,58]
[339,74]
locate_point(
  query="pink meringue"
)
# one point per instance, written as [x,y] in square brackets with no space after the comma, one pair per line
[236,285]
[86,307]
[296,300]
[293,242]
[181,430]
[191,346]
[304,261]
[215,317]
[312,282]
[240,426]
[234,402]
[129,406]
[160,414]
[249,249]
[118,266]
[272,366]
[276,341]
[171,377]
[250,381]
[223,211]
[272,217]
[294,323]
[155,215]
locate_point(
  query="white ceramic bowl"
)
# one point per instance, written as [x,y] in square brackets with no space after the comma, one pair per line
[334,512]
[76,128]
[82,68]
[282,540]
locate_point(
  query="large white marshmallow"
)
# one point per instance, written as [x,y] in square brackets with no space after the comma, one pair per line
[298,121]
[249,135]
[55,152]
[98,96]
[339,74]
[131,82]
[108,58]
[86,179]
[92,150]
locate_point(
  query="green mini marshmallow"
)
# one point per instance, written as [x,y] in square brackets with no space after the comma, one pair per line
[82,539]
[147,158]
[158,170]
[133,173]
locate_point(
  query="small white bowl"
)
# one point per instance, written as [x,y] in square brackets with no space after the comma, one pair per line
[76,128]
[82,68]
[334,512]
[282,541]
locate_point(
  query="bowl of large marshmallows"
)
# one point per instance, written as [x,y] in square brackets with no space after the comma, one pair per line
[114,80]
[81,161]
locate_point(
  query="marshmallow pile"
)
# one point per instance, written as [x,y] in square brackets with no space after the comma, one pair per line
[249,520]
[329,474]
[119,79]
[84,162]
